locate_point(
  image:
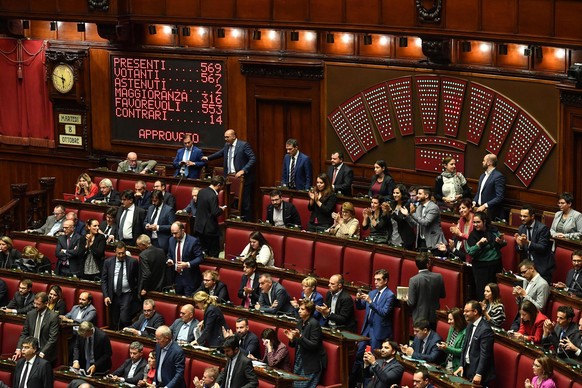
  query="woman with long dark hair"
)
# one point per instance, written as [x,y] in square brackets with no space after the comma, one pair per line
[378,221]
[531,327]
[403,234]
[382,183]
[322,201]
[258,249]
[55,300]
[276,352]
[453,346]
[493,308]
[461,231]
[94,251]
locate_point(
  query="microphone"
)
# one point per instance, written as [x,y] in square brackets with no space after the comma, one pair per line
[285,265]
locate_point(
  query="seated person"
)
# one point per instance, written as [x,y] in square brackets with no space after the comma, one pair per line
[531,327]
[84,187]
[378,221]
[249,342]
[3,293]
[55,300]
[107,195]
[281,213]
[142,197]
[386,370]
[33,261]
[9,257]
[23,299]
[53,223]
[249,290]
[556,333]
[109,227]
[274,297]
[92,340]
[345,225]
[132,369]
[184,329]
[84,311]
[131,164]
[574,346]
[148,318]
[573,282]
[276,352]
[208,379]
[309,285]
[424,346]
[258,249]
[214,287]
[191,208]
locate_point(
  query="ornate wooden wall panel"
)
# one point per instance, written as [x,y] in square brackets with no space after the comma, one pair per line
[327,11]
[462,15]
[254,9]
[398,13]
[363,11]
[183,8]
[568,19]
[499,16]
[291,10]
[530,22]
[217,9]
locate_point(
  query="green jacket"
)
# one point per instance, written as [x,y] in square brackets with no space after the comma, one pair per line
[456,349]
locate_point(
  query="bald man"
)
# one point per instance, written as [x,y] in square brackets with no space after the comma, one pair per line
[491,190]
[131,164]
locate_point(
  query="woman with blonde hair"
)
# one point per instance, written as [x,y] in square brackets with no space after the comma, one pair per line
[9,257]
[84,188]
[213,323]
[34,261]
[345,225]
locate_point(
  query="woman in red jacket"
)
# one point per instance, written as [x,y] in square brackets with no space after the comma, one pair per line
[531,327]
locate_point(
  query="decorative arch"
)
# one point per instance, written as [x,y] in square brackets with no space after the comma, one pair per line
[443,101]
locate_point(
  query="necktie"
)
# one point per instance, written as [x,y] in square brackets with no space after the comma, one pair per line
[119,286]
[375,379]
[37,327]
[334,175]
[529,233]
[574,284]
[292,174]
[374,301]
[423,351]
[143,326]
[248,298]
[178,255]
[69,242]
[120,226]
[107,230]
[153,220]
[23,377]
[230,159]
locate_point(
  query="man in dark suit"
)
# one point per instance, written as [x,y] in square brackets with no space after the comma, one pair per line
[238,372]
[130,219]
[573,283]
[214,287]
[386,370]
[239,159]
[79,225]
[148,318]
[249,290]
[92,351]
[152,266]
[132,165]
[106,194]
[170,360]
[533,243]
[247,340]
[207,213]
[274,297]
[188,161]
[491,190]
[3,293]
[184,328]
[132,369]
[142,196]
[23,299]
[32,371]
[70,251]
[42,324]
[84,311]
[338,309]
[282,213]
[108,227]
[185,257]
[477,357]
[424,291]
[556,333]
[158,220]
[424,346]
[53,223]
[119,286]
[297,169]
[341,175]
[169,198]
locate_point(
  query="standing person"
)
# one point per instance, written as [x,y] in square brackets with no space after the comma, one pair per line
[131,164]
[321,204]
[185,257]
[458,245]
[94,251]
[169,198]
[385,370]
[119,286]
[53,223]
[191,208]
[382,183]
[402,232]
[282,213]
[338,309]
[276,353]
[239,159]
[32,370]
[340,174]
[211,327]
[378,221]
[84,187]
[491,190]
[92,350]
[188,161]
[309,285]
[171,361]
[493,308]
[207,213]
[484,246]
[450,186]
[130,219]
[533,243]
[542,370]
[477,357]
[307,339]
[158,219]
[567,221]
[70,251]
[238,371]
[152,266]
[427,220]
[297,170]
[453,346]
[424,291]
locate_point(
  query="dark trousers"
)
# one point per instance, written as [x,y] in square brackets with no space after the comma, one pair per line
[485,272]
[210,244]
[121,311]
[184,286]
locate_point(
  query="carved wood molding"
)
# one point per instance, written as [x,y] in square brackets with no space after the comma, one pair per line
[429,15]
[98,5]
[437,50]
[282,70]
[572,98]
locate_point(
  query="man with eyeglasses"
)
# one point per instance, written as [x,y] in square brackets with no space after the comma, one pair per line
[148,318]
[573,284]
[184,328]
[131,164]
[106,195]
[214,287]
[188,161]
[537,290]
[53,223]
[70,251]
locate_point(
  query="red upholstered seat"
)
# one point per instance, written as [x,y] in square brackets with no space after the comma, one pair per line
[119,353]
[446,227]
[11,285]
[299,254]
[357,265]
[330,374]
[197,369]
[265,201]
[126,184]
[19,244]
[235,241]
[392,263]
[38,287]
[505,290]
[523,370]
[99,306]
[10,335]
[187,366]
[360,317]
[85,215]
[399,326]
[277,244]
[60,384]
[442,329]
[506,360]
[561,380]
[509,258]
[563,263]
[327,259]
[453,287]
[49,251]
[407,379]
[294,288]
[167,310]
[183,195]
[6,376]
[69,296]
[206,267]
[232,279]
[408,270]
[230,321]
[304,213]
[264,384]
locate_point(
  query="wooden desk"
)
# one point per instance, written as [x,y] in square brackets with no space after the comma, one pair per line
[439,376]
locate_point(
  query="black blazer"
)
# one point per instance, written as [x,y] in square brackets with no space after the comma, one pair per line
[170,200]
[480,354]
[113,232]
[540,248]
[48,336]
[40,375]
[323,212]
[114,198]
[343,316]
[124,369]
[290,214]
[22,304]
[220,291]
[386,188]
[101,351]
[343,179]
[108,275]
[577,289]
[60,307]
[405,231]
[137,227]
[243,374]
[384,375]
[98,250]
[3,293]
[255,286]
[74,253]
[244,159]
[213,323]
[207,212]
[310,344]
[152,268]
[144,201]
[156,321]
[250,345]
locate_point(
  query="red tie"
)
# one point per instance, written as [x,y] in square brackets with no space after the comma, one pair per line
[248,298]
[178,256]
[334,175]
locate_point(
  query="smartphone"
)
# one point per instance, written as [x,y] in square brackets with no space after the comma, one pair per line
[368,349]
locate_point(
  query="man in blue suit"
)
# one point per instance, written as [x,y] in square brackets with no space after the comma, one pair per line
[491,190]
[158,221]
[188,161]
[239,159]
[170,360]
[296,167]
[424,346]
[185,257]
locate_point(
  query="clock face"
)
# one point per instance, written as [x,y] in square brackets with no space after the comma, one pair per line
[63,78]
